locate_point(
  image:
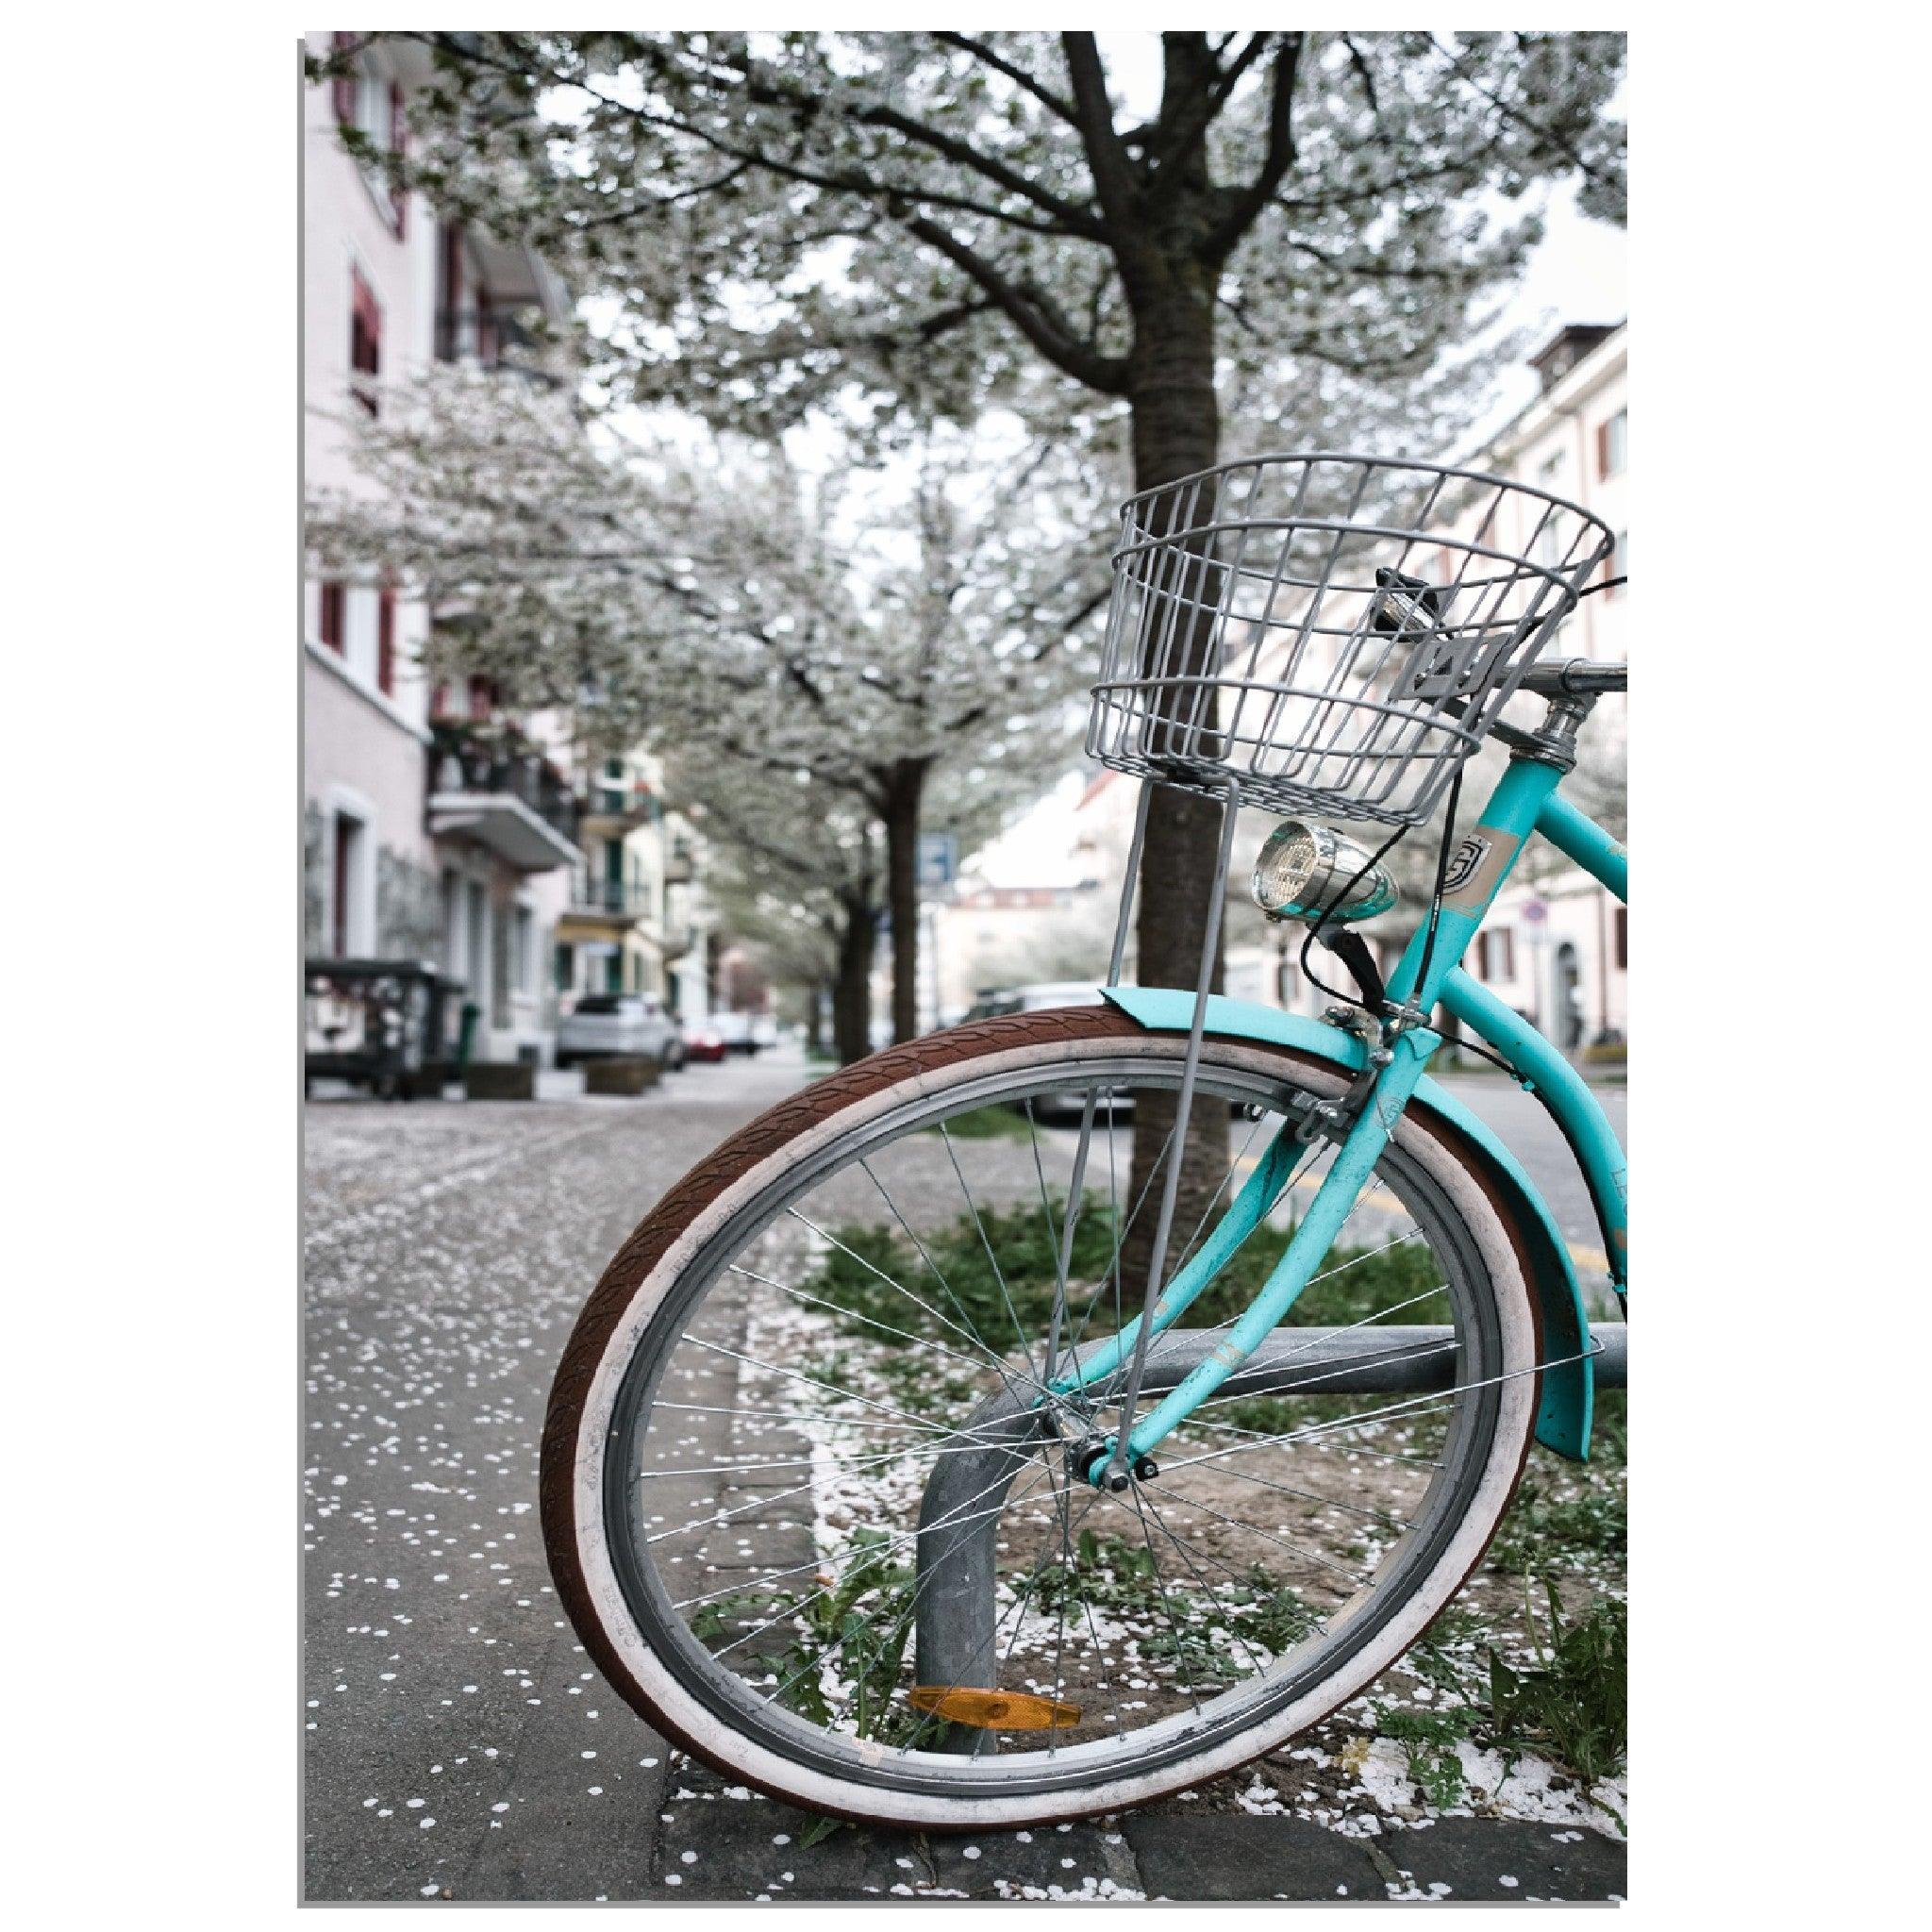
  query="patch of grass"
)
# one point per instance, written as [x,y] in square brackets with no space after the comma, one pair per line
[1573,1704]
[987,1123]
[1122,1578]
[1008,1294]
[1000,1296]
[1569,1532]
[1353,1283]
[860,1625]
[1428,1741]
[1569,1706]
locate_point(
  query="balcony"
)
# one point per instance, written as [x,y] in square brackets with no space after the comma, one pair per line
[608,898]
[680,863]
[493,787]
[490,337]
[610,811]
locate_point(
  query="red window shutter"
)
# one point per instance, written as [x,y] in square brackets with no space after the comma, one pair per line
[439,701]
[330,621]
[398,145]
[343,88]
[386,641]
[482,697]
[365,337]
[1602,449]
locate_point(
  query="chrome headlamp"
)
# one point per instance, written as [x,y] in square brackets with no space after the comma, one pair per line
[1304,866]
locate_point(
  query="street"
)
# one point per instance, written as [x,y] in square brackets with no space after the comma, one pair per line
[458,1744]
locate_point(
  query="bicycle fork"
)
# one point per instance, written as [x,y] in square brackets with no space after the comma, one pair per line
[1392,1073]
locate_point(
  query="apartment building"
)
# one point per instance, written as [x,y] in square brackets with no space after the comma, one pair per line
[1556,944]
[435,827]
[636,920]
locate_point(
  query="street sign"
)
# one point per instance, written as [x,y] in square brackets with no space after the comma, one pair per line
[938,862]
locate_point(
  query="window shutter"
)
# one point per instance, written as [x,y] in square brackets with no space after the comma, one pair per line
[386,641]
[398,146]
[365,338]
[1603,448]
[329,619]
[342,89]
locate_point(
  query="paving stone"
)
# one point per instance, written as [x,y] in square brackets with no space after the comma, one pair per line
[1249,1857]
[1510,1858]
[720,1847]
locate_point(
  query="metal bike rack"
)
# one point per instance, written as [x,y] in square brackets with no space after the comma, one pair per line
[957,1627]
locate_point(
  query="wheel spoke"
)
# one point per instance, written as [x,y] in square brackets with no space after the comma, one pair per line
[833,1358]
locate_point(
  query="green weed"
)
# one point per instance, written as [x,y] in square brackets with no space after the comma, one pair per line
[1571,1706]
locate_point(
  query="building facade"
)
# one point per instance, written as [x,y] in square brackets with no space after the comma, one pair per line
[1556,944]
[636,920]
[437,827]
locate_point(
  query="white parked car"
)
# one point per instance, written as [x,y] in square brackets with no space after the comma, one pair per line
[630,1025]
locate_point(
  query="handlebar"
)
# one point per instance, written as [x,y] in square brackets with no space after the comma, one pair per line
[1570,677]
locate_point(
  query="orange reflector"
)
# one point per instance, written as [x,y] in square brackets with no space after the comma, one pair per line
[1006,1710]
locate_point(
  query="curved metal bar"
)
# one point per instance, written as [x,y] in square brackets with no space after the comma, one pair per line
[956,1630]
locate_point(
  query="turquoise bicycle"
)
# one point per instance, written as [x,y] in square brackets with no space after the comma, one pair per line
[925,1457]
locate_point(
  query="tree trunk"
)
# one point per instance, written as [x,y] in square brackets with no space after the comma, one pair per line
[1175,433]
[905,786]
[814,1018]
[851,992]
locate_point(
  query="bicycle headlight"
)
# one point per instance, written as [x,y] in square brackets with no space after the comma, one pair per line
[1304,866]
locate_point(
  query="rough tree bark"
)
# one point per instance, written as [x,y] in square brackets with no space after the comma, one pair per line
[852,992]
[902,790]
[1176,431]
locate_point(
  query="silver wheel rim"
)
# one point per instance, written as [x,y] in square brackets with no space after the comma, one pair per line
[1174,1746]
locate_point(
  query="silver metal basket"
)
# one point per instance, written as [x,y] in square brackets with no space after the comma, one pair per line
[1333,633]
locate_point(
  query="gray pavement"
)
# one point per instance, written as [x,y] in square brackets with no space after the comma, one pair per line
[458,1744]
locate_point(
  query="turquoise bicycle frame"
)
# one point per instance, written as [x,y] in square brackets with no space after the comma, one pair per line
[1525,802]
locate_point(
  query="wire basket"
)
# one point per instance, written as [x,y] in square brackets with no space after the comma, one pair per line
[1334,633]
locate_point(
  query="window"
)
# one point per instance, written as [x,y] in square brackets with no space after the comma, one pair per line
[386,642]
[374,106]
[344,882]
[365,342]
[1548,536]
[1495,955]
[345,87]
[452,925]
[1610,437]
[398,145]
[522,949]
[328,620]
[1620,925]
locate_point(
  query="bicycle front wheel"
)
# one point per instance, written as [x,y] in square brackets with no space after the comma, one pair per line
[801,1346]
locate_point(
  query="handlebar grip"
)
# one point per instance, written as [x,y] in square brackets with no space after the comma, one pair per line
[1575,677]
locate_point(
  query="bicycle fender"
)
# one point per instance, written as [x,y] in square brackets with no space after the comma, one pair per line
[1569,1388]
